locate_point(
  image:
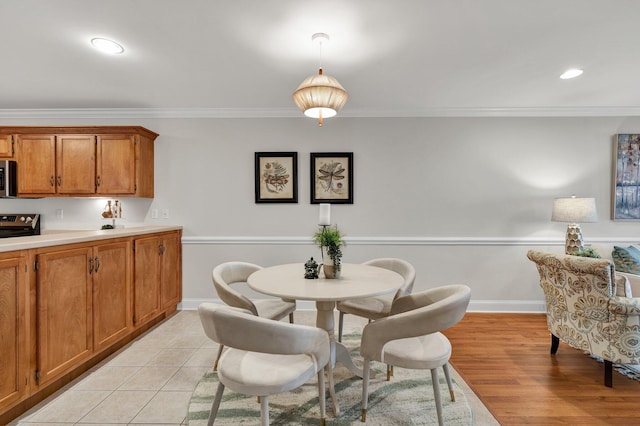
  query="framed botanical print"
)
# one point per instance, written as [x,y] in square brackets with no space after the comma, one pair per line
[276,177]
[332,177]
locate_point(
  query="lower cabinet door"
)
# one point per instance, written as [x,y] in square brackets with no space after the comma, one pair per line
[13,332]
[146,280]
[111,293]
[64,311]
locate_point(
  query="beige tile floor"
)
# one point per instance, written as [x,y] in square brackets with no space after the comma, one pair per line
[151,380]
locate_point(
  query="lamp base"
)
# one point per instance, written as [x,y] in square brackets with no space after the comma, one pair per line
[574,239]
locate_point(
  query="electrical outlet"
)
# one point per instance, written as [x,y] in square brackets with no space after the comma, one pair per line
[60,214]
[165,214]
[154,214]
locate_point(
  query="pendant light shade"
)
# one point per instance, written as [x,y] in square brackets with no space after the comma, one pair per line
[320,96]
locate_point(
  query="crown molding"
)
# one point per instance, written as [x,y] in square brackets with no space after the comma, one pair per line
[140,113]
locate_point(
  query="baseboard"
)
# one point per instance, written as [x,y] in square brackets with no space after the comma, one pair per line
[505,306]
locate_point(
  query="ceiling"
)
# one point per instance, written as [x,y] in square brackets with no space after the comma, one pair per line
[395,58]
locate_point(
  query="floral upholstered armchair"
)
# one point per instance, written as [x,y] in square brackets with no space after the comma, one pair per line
[585,311]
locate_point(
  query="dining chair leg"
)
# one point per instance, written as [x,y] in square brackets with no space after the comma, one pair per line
[291,317]
[365,388]
[264,410]
[216,404]
[322,397]
[340,323]
[447,375]
[436,394]
[215,364]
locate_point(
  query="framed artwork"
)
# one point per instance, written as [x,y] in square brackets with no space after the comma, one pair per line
[332,177]
[625,203]
[276,177]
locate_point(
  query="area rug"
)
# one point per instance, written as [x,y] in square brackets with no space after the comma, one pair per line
[405,400]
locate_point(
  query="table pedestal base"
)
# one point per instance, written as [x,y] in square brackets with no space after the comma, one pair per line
[339,353]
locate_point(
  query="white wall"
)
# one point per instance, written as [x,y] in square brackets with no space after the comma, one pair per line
[463,199]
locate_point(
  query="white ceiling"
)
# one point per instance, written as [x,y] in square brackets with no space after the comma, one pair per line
[395,58]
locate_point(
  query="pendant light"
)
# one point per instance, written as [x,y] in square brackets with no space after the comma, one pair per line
[320,96]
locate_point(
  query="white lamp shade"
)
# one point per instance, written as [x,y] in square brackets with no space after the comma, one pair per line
[320,96]
[574,210]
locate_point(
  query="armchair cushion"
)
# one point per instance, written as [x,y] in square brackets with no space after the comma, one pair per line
[623,286]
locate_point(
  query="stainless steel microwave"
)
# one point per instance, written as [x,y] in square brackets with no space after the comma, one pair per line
[8,179]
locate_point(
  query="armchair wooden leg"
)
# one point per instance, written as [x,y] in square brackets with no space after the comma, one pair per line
[608,373]
[555,342]
[291,317]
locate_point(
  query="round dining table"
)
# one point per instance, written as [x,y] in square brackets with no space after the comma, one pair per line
[356,281]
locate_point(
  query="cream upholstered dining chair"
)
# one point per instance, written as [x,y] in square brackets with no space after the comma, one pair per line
[264,357]
[588,308]
[228,273]
[410,336]
[374,308]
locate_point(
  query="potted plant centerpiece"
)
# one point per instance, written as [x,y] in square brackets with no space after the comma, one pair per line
[329,239]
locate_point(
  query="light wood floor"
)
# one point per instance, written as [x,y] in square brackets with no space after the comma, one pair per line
[505,359]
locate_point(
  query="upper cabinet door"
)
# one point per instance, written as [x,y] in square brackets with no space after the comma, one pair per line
[116,164]
[6,146]
[36,164]
[75,164]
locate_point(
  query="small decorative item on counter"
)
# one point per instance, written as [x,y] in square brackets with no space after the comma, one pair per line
[311,269]
[108,212]
[107,227]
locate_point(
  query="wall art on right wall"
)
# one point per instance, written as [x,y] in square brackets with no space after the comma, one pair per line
[332,177]
[625,203]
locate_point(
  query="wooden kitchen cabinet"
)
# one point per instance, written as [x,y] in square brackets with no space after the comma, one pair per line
[37,164]
[75,164]
[111,293]
[116,165]
[171,270]
[65,307]
[6,146]
[14,373]
[64,322]
[56,164]
[84,161]
[157,275]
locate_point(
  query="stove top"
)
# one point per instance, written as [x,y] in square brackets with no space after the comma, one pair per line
[19,224]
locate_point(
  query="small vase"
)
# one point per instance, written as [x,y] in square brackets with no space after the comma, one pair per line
[330,270]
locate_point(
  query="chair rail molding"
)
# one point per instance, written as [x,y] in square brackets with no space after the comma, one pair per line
[401,240]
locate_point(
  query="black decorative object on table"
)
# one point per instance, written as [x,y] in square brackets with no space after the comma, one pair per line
[311,269]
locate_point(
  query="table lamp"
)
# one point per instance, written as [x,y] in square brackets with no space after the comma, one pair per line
[574,210]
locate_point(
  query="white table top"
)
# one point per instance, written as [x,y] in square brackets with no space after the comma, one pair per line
[356,281]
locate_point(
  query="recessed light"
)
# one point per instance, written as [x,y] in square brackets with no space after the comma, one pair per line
[107,46]
[574,72]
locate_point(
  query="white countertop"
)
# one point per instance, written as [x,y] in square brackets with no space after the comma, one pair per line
[56,237]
